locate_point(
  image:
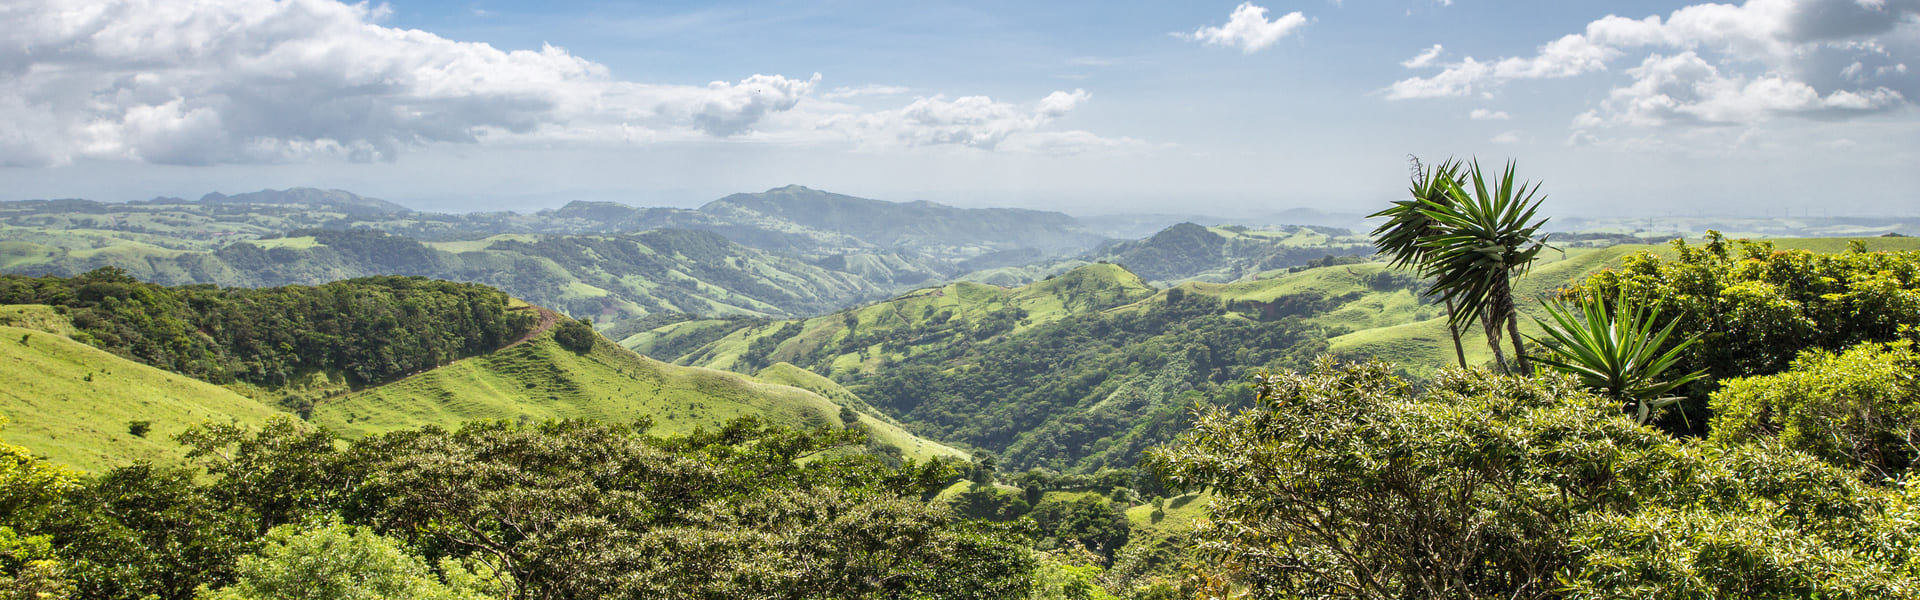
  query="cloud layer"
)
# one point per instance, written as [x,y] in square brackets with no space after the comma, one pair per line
[1248,29]
[1717,64]
[246,81]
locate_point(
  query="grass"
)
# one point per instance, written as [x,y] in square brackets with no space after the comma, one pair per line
[539,380]
[73,403]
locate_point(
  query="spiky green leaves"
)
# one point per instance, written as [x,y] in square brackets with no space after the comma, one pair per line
[1617,354]
[1481,237]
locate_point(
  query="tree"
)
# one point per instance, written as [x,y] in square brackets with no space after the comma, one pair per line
[1400,236]
[343,562]
[1484,239]
[1859,409]
[1347,482]
[1619,355]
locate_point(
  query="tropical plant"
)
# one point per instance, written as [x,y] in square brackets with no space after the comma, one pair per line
[1347,482]
[1399,237]
[1483,239]
[1619,355]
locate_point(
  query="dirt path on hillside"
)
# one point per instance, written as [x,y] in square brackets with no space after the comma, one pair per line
[547,320]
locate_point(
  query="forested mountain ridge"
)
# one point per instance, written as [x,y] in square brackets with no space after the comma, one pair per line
[359,356]
[787,252]
[1077,372]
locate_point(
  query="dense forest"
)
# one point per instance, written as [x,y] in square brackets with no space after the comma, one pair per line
[369,330]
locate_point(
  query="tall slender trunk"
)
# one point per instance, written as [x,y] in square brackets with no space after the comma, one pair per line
[1504,310]
[1459,352]
[1492,327]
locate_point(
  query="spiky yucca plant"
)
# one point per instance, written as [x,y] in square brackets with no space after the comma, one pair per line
[1616,354]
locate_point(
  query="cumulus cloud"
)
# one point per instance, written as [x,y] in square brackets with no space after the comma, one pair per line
[247,81]
[976,122]
[1248,29]
[1718,63]
[1481,114]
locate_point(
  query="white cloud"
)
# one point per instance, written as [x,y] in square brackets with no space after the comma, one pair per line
[1686,89]
[1424,59]
[1510,138]
[975,122]
[1248,29]
[248,81]
[1719,63]
[871,89]
[1481,114]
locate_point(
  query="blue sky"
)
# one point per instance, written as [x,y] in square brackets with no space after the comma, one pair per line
[1619,107]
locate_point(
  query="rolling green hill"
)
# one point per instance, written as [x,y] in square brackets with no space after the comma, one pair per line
[1189,252]
[1082,371]
[539,380]
[73,403]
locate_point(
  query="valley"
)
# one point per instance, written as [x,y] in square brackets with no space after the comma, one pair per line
[1012,366]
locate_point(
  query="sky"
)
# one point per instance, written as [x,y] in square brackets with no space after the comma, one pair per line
[1618,108]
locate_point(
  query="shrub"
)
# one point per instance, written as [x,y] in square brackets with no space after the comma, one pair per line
[1346,482]
[1859,408]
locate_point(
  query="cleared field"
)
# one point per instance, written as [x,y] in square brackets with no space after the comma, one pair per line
[74,403]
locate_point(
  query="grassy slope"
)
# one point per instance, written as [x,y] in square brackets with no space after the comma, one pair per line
[57,413]
[963,303]
[541,380]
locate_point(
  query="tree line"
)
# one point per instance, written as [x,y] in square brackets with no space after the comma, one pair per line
[367,330]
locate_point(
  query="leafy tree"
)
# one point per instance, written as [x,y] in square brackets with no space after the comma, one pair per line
[574,335]
[1346,482]
[29,489]
[1618,355]
[342,562]
[575,509]
[1755,308]
[145,531]
[1484,238]
[1859,408]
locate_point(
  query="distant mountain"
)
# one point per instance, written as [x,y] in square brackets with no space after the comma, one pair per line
[1189,252]
[341,200]
[934,229]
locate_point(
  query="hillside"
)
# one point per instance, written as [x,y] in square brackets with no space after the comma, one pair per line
[1189,252]
[606,277]
[74,403]
[929,228]
[539,380]
[1079,372]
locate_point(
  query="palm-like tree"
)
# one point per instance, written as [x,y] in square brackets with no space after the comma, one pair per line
[1617,355]
[1484,238]
[1399,237]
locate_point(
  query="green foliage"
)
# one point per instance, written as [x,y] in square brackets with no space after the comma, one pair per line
[1479,241]
[591,510]
[1617,355]
[574,335]
[146,531]
[371,329]
[1346,482]
[1082,520]
[1069,573]
[1859,408]
[1755,308]
[342,562]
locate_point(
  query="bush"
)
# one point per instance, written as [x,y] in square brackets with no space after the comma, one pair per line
[1859,408]
[574,335]
[1345,481]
